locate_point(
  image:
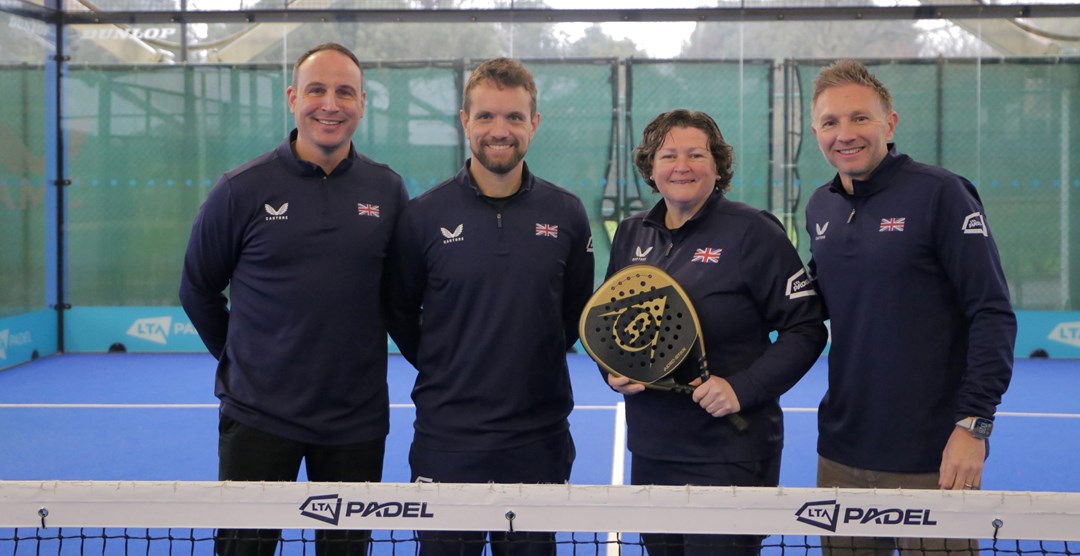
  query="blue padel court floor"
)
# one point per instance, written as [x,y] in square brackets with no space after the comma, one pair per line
[154,417]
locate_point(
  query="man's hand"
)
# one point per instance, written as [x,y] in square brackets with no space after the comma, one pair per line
[962,461]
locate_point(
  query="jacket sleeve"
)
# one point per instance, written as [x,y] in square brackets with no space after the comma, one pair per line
[404,284]
[969,255]
[776,279]
[578,280]
[212,252]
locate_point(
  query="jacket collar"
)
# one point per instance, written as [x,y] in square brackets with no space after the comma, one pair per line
[463,176]
[304,168]
[655,216]
[880,178]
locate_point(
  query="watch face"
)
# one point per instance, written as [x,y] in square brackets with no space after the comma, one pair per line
[982,428]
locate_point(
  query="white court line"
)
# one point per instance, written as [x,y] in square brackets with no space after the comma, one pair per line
[618,468]
[108,406]
[998,414]
[1051,415]
[618,447]
[618,408]
[188,406]
[133,406]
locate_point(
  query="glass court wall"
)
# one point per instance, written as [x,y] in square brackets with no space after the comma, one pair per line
[148,104]
[28,201]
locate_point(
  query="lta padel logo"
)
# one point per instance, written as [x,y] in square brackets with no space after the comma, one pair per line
[826,514]
[819,514]
[1067,333]
[327,509]
[154,329]
[9,340]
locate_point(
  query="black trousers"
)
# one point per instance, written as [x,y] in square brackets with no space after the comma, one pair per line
[545,462]
[763,473]
[247,454]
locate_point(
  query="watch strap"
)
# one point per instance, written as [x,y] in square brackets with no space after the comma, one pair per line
[979,427]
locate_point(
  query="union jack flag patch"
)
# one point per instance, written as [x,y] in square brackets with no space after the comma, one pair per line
[364,209]
[547,230]
[892,225]
[706,255]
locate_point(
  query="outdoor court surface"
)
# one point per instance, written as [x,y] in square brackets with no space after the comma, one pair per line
[154,417]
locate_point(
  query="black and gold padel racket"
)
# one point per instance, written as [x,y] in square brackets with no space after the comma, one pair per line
[640,324]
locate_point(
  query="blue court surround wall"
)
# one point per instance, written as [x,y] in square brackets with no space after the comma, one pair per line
[1057,332]
[139,329]
[23,335]
[168,330]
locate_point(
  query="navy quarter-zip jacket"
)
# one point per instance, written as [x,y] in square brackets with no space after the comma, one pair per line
[745,280]
[300,343]
[484,302]
[922,327]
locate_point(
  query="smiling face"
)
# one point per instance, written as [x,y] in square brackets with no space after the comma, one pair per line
[327,101]
[684,170]
[499,125]
[853,130]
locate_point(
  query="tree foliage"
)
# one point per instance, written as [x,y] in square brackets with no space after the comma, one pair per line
[802,39]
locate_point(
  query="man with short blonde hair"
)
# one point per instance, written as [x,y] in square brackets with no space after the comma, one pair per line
[922,327]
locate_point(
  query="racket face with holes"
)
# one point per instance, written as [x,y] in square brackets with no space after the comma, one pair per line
[639,324]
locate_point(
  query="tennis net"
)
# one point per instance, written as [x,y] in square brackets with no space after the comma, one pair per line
[70,517]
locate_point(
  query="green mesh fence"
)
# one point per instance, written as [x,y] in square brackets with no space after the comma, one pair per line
[1009,127]
[736,95]
[572,146]
[412,123]
[151,142]
[1029,115]
[145,144]
[22,190]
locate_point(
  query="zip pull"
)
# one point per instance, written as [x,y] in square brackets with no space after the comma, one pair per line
[851,217]
[498,220]
[670,246]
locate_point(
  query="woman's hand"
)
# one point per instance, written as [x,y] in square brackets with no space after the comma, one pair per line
[624,385]
[716,396]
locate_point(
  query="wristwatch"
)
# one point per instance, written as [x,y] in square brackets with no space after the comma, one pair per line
[977,426]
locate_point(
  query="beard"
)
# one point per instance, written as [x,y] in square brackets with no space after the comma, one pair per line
[504,164]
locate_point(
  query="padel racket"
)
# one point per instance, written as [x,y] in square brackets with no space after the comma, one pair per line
[640,324]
